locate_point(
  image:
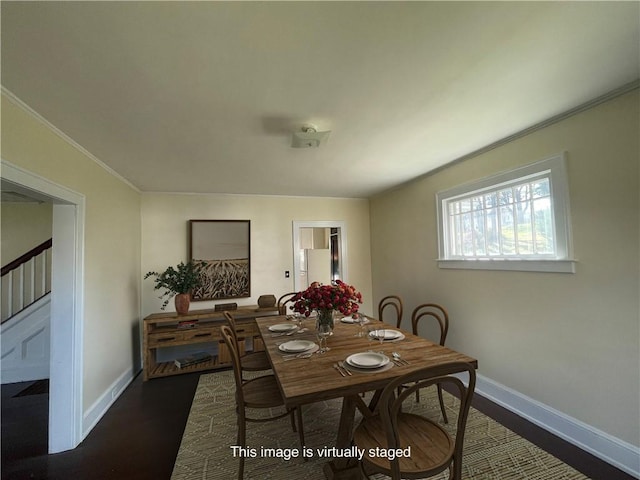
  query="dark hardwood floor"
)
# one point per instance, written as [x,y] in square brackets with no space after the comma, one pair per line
[139,436]
[137,439]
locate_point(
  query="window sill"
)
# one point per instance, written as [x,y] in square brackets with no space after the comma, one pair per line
[554,266]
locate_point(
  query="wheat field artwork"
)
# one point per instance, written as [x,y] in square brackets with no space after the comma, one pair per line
[224,279]
[224,247]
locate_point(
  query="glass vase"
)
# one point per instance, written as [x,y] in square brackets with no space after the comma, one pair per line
[325,317]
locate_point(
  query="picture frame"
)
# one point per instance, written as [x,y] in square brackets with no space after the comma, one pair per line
[225,247]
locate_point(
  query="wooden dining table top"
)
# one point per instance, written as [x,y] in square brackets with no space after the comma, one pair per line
[307,380]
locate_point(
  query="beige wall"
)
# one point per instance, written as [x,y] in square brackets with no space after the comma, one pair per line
[24,226]
[164,241]
[111,248]
[570,341]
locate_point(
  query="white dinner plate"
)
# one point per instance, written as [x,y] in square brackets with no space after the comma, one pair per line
[282,327]
[388,334]
[368,360]
[296,346]
[350,319]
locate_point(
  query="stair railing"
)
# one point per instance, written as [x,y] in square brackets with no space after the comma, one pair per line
[25,280]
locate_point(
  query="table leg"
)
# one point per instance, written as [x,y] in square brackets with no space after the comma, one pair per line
[341,468]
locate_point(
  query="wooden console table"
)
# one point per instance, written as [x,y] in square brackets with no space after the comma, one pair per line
[161,330]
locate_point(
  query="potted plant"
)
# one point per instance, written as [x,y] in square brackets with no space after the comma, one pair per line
[179,281]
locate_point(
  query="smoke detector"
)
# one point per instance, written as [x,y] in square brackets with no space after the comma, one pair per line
[309,137]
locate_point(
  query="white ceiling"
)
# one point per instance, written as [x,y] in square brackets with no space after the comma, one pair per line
[203,96]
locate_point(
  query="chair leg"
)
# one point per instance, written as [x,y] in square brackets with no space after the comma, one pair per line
[241,468]
[442,409]
[456,469]
[242,440]
[300,427]
[293,420]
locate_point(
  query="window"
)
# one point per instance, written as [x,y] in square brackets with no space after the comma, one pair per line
[516,220]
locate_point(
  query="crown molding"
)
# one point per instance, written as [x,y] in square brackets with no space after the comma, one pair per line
[626,88]
[35,115]
[616,92]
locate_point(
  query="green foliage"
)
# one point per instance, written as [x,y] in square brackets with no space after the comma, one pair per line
[182,279]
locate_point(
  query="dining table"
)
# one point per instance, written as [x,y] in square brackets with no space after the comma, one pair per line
[307,376]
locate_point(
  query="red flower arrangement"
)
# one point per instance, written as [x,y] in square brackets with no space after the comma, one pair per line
[337,296]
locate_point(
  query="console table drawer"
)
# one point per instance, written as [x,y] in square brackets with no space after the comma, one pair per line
[210,334]
[246,330]
[157,339]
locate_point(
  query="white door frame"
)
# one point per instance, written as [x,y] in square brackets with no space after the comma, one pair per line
[297,225]
[67,302]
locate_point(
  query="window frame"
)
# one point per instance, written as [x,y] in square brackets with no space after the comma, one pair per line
[555,169]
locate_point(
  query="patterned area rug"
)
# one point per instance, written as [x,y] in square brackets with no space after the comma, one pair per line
[492,452]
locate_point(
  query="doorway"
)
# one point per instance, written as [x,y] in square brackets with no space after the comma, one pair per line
[319,252]
[65,378]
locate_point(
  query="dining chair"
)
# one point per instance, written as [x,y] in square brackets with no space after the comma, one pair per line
[258,393]
[439,315]
[433,450]
[393,301]
[252,361]
[283,301]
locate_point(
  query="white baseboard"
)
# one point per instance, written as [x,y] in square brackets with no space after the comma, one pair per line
[93,415]
[612,450]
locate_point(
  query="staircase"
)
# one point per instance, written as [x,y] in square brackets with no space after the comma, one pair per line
[25,280]
[25,315]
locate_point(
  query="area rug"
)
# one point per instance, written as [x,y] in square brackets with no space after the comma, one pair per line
[491,451]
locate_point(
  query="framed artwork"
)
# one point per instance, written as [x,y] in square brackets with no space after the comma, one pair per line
[225,246]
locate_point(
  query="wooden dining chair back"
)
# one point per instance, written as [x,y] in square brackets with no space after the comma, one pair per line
[431,312]
[438,315]
[433,450]
[252,361]
[283,302]
[393,303]
[258,393]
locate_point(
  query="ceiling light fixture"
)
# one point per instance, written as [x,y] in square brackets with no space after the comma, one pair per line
[308,137]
